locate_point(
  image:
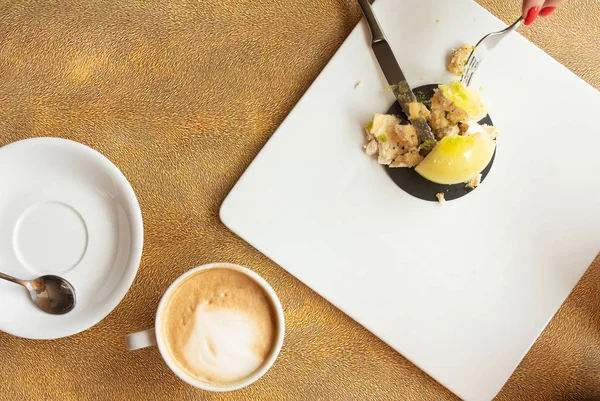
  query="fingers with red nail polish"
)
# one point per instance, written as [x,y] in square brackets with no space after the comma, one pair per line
[546,11]
[534,8]
[532,15]
[531,10]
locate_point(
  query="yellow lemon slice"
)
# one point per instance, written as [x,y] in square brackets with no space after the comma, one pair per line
[457,159]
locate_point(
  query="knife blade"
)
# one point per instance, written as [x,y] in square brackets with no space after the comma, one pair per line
[393,73]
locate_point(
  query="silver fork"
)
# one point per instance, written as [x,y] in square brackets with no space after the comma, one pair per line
[486,44]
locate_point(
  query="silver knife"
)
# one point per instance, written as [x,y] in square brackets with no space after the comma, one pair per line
[393,73]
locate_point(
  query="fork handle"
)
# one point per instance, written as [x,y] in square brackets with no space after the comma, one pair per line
[376,32]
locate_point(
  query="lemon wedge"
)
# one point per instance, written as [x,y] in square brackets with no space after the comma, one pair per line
[464,98]
[457,159]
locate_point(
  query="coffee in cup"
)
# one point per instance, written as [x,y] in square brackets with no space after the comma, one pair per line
[219,327]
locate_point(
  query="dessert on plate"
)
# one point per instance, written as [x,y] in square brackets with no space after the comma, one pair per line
[462,149]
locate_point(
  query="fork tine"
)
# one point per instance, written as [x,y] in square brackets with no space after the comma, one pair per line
[476,63]
[491,39]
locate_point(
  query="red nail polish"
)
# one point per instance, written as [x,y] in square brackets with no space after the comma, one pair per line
[532,15]
[546,11]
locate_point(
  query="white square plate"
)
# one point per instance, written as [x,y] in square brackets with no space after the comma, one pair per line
[462,290]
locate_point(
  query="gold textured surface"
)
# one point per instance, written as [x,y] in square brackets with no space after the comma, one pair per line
[181,95]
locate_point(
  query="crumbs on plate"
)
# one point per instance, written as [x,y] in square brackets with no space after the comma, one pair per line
[474,182]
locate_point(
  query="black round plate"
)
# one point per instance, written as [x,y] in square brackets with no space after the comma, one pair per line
[414,184]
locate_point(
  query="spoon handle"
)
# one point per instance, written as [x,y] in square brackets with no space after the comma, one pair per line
[11,278]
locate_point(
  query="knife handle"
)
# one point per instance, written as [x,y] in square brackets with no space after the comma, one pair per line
[376,32]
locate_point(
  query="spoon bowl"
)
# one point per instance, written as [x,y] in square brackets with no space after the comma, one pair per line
[52,294]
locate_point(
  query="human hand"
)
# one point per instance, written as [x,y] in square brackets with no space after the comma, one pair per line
[533,8]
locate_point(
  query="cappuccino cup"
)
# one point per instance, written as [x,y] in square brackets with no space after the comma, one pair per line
[218,327]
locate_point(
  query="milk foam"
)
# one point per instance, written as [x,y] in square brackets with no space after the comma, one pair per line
[222,344]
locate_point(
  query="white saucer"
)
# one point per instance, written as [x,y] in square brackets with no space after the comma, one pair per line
[67,210]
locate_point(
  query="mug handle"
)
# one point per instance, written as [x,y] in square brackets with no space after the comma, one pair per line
[141,339]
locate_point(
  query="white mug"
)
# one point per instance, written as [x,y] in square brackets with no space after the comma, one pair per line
[153,336]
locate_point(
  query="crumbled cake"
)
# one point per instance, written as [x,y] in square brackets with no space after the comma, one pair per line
[472,127]
[441,198]
[417,111]
[459,59]
[451,105]
[371,148]
[444,114]
[452,108]
[409,159]
[451,130]
[474,183]
[395,144]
